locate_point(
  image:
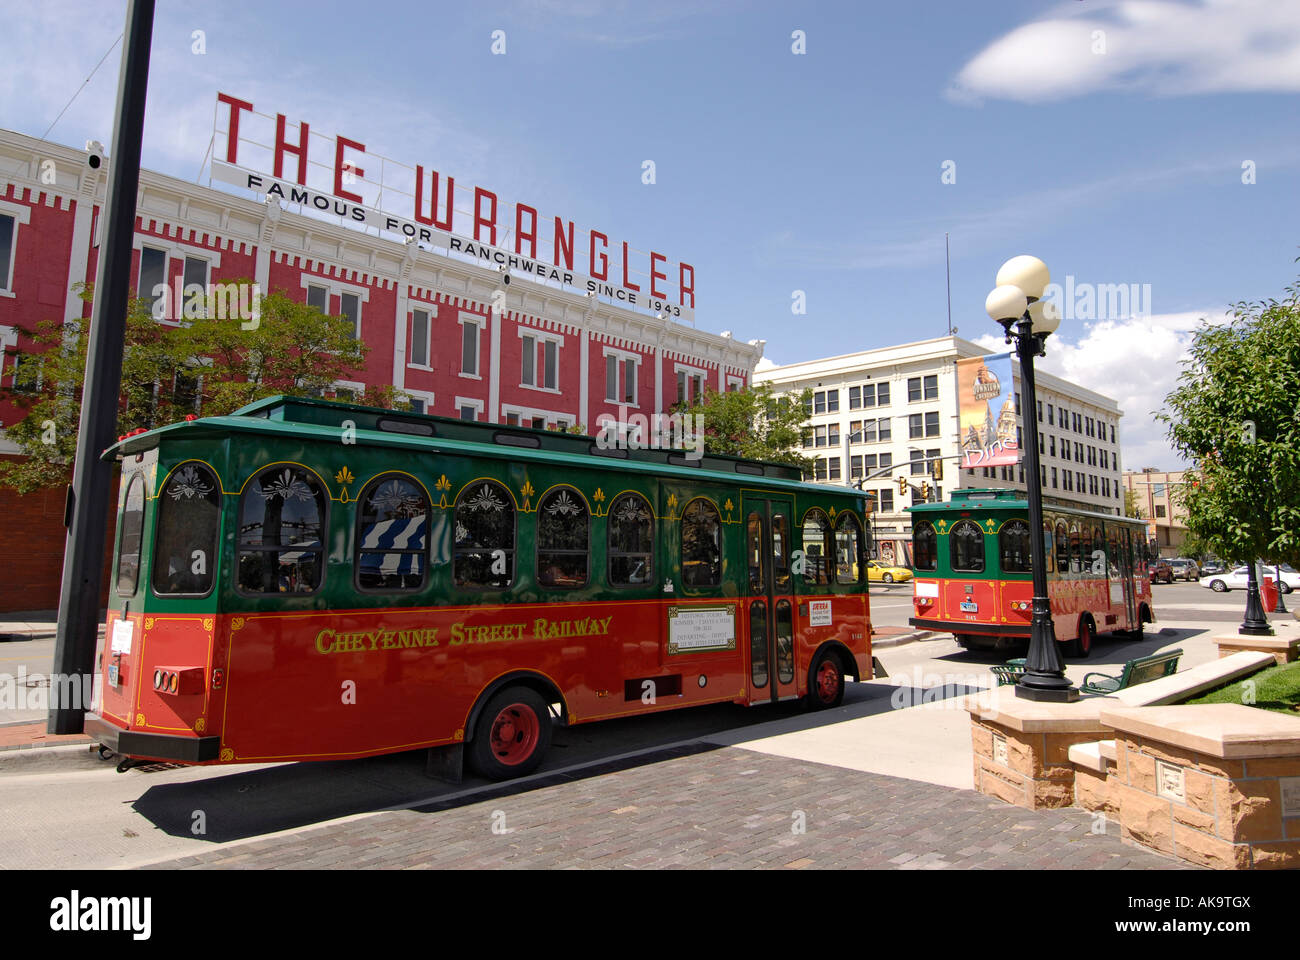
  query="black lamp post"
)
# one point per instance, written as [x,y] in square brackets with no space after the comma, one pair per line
[1029,321]
[1256,622]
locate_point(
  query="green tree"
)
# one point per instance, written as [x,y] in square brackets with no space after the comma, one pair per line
[1131,508]
[213,366]
[1234,414]
[754,423]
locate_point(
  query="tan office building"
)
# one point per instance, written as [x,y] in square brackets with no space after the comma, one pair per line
[1155,494]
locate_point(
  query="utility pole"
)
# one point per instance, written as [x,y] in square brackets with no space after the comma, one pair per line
[83,560]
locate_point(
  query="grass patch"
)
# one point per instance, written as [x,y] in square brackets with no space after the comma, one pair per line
[1274,688]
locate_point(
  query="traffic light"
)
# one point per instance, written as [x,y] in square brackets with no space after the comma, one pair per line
[925,491]
[936,470]
[902,486]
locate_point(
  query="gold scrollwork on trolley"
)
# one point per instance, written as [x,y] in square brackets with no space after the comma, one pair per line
[226,755]
[208,623]
[139,720]
[148,623]
[200,725]
[236,624]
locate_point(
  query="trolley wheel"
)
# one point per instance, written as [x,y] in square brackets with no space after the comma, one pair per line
[888,578]
[513,733]
[1283,588]
[104,752]
[1081,646]
[1218,586]
[826,682]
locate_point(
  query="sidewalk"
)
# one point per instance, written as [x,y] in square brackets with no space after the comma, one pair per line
[34,624]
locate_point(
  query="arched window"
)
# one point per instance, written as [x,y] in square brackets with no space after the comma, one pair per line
[129,542]
[1049,559]
[701,544]
[485,536]
[755,555]
[185,542]
[966,547]
[562,545]
[392,535]
[781,552]
[1014,547]
[849,567]
[1062,548]
[925,554]
[1076,550]
[1097,556]
[281,532]
[631,540]
[817,548]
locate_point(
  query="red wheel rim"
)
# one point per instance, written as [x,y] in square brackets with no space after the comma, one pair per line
[828,682]
[514,734]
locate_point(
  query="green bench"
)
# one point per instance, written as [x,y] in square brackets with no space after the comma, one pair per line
[1136,671]
[1010,673]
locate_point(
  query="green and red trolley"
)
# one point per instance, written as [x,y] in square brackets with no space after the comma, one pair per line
[307,580]
[974,578]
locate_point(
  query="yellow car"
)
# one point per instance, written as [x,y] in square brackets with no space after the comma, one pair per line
[886,573]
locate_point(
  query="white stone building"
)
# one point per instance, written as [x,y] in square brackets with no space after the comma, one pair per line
[890,413]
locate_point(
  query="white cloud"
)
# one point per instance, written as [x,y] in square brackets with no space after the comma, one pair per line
[1135,362]
[1159,47]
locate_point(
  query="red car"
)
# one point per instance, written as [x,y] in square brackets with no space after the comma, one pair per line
[1161,571]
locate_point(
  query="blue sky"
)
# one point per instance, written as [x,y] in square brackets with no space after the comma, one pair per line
[1117,159]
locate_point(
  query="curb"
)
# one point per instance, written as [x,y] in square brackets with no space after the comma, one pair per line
[898,640]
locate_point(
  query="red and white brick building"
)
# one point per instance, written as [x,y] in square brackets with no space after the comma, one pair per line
[552,356]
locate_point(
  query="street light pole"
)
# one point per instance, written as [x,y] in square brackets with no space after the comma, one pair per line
[1016,303]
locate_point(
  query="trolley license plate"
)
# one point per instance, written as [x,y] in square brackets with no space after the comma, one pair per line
[113,675]
[969,607]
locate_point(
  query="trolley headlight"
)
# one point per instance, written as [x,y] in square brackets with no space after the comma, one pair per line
[157,679]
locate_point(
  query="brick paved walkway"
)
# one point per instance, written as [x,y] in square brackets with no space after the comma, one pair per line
[704,807]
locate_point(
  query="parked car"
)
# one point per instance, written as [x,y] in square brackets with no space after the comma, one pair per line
[1236,579]
[1185,569]
[1212,566]
[887,573]
[1161,572]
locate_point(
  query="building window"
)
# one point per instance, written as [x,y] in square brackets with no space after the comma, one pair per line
[832,401]
[485,536]
[916,462]
[855,398]
[855,431]
[1051,445]
[833,435]
[1160,510]
[419,338]
[153,274]
[932,424]
[834,468]
[932,387]
[913,389]
[819,469]
[617,365]
[886,498]
[1112,433]
[1040,411]
[417,405]
[540,362]
[468,409]
[8,229]
[915,426]
[1053,476]
[317,296]
[1050,422]
[469,335]
[350,307]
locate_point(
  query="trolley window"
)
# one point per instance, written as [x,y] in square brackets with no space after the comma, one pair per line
[925,555]
[631,540]
[281,524]
[818,550]
[848,549]
[701,544]
[562,546]
[128,543]
[966,547]
[485,536]
[185,543]
[1014,546]
[1062,548]
[392,535]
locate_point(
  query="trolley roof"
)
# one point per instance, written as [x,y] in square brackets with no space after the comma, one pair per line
[299,418]
[1000,498]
